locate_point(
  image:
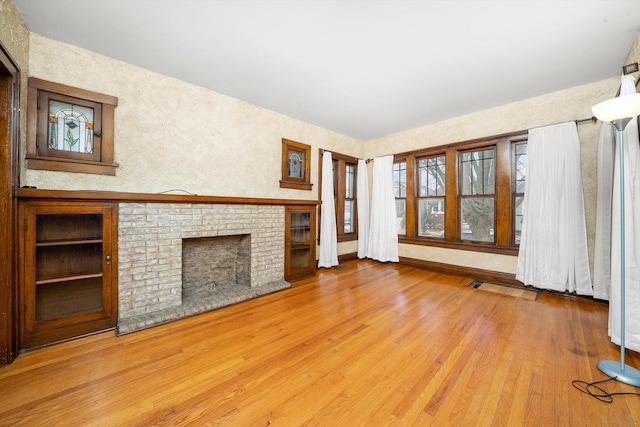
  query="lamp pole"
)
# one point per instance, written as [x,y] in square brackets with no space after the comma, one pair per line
[619,112]
[620,371]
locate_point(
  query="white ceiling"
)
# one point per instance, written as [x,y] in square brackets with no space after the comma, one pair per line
[363,68]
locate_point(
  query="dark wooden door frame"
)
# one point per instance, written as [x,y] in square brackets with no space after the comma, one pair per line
[9,179]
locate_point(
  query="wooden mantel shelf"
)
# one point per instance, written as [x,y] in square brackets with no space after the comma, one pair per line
[36,193]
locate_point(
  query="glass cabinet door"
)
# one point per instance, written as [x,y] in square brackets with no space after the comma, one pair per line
[68,261]
[300,241]
[67,270]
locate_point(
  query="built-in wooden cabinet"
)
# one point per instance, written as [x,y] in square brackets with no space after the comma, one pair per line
[68,283]
[300,242]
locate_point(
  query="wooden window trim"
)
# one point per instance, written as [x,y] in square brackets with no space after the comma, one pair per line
[504,231]
[343,164]
[417,192]
[410,203]
[514,189]
[39,157]
[339,194]
[460,196]
[287,181]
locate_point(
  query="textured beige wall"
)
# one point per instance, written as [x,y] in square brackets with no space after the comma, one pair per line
[14,37]
[565,105]
[173,135]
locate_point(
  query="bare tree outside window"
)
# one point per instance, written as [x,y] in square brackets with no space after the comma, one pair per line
[520,167]
[477,200]
[431,196]
[465,195]
[400,193]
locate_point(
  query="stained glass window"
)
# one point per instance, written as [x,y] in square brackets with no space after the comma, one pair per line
[296,164]
[70,127]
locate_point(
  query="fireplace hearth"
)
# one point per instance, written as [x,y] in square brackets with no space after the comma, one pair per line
[178,260]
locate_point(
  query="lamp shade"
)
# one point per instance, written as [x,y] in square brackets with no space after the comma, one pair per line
[622,107]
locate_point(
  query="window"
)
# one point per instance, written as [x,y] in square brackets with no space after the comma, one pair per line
[520,176]
[400,193]
[296,166]
[466,195]
[344,193]
[349,198]
[477,194]
[431,196]
[69,129]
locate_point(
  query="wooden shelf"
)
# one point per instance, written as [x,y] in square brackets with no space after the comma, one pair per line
[300,246]
[68,278]
[67,242]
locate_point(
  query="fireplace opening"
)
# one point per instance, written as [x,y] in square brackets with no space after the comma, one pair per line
[179,260]
[215,262]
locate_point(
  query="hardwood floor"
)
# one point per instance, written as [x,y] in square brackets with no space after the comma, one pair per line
[371,344]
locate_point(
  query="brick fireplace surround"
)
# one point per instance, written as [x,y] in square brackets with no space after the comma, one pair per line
[150,265]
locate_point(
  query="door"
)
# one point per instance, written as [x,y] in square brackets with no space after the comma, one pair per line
[9,100]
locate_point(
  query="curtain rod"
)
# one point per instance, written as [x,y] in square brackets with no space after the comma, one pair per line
[628,69]
[591,119]
[322,150]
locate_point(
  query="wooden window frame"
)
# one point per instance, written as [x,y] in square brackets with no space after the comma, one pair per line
[504,230]
[480,195]
[39,156]
[514,187]
[339,193]
[343,165]
[409,202]
[418,197]
[303,183]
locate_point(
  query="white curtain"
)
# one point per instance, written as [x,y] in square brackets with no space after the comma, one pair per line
[631,232]
[602,252]
[328,256]
[383,234]
[362,190]
[553,247]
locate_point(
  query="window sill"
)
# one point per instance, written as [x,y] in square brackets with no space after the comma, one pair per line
[70,165]
[295,185]
[463,246]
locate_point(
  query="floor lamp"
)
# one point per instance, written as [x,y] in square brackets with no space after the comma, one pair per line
[619,112]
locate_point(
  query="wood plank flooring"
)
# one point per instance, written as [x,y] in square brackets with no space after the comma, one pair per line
[368,345]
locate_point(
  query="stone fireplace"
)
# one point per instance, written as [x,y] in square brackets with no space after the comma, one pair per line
[208,262]
[177,260]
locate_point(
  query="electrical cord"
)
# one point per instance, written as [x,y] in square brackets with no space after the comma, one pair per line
[178,190]
[594,390]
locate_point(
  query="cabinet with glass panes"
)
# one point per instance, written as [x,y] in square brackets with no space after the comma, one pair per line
[300,242]
[68,273]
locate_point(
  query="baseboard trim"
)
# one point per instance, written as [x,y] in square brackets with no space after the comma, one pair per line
[347,257]
[457,270]
[454,270]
